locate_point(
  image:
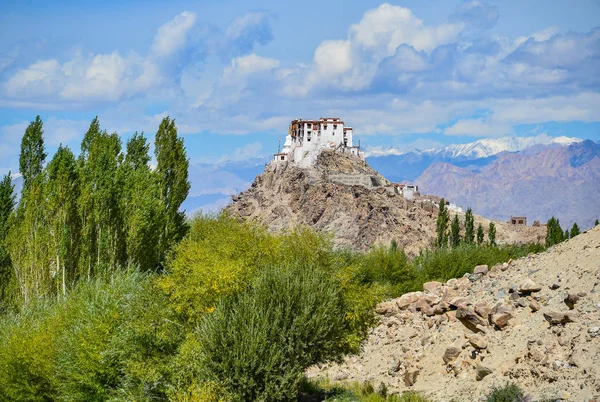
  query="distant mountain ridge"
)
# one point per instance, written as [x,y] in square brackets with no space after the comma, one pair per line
[483,148]
[561,181]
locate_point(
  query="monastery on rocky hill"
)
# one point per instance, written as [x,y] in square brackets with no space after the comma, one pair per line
[306,137]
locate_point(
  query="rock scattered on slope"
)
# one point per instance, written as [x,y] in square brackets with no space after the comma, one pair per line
[509,325]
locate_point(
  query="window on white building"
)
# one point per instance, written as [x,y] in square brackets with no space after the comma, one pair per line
[335,126]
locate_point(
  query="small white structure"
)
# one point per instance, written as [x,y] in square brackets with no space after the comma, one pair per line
[409,191]
[305,137]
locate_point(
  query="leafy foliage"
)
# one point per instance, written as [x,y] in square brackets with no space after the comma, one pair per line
[480,234]
[492,234]
[258,343]
[469,227]
[507,393]
[442,225]
[554,233]
[455,232]
[574,230]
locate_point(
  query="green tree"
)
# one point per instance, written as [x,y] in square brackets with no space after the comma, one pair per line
[7,204]
[141,205]
[492,234]
[567,234]
[33,155]
[455,232]
[469,227]
[86,206]
[62,195]
[442,225]
[480,235]
[554,233]
[575,230]
[172,169]
[596,223]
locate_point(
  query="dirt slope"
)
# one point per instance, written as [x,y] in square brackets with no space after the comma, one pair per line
[441,340]
[286,195]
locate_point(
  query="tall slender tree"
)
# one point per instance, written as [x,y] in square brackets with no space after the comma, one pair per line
[33,155]
[469,227]
[62,196]
[480,235]
[455,232]
[554,233]
[442,225]
[575,230]
[596,222]
[492,234]
[172,169]
[141,205]
[7,204]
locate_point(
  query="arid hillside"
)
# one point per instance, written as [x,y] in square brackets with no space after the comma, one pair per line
[534,321]
[324,197]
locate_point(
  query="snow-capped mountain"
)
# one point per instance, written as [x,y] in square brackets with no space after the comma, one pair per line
[479,149]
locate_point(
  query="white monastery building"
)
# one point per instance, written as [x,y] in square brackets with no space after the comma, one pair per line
[306,137]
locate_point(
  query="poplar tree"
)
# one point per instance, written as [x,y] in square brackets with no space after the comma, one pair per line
[7,204]
[554,233]
[141,205]
[33,155]
[88,249]
[172,170]
[567,234]
[480,235]
[575,230]
[492,234]
[28,236]
[442,225]
[596,222]
[62,196]
[469,227]
[455,232]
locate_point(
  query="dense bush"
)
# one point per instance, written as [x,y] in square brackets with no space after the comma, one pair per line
[323,390]
[508,393]
[258,343]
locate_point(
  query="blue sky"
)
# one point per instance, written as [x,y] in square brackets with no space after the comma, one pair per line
[234,73]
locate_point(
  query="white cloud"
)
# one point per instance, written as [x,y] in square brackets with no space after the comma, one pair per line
[172,35]
[477,127]
[244,66]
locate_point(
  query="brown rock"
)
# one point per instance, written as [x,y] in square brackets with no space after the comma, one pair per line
[529,286]
[407,299]
[555,317]
[410,376]
[572,299]
[534,306]
[432,287]
[481,372]
[441,308]
[469,318]
[481,270]
[387,308]
[478,341]
[451,354]
[482,309]
[451,316]
[424,307]
[500,315]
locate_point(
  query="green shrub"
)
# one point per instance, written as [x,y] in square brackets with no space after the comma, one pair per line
[508,393]
[258,343]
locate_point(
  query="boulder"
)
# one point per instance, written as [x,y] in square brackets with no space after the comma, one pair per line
[529,286]
[555,317]
[407,299]
[451,354]
[432,287]
[500,315]
[387,308]
[469,318]
[482,309]
[481,372]
[534,306]
[424,307]
[478,341]
[572,299]
[481,270]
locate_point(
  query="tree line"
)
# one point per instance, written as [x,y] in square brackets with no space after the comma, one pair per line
[78,216]
[448,233]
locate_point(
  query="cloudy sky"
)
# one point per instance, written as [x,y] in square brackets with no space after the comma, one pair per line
[234,73]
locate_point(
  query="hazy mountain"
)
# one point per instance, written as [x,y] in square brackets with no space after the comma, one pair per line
[538,182]
[401,165]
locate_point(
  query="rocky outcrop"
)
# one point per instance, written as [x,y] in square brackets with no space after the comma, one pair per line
[287,195]
[534,321]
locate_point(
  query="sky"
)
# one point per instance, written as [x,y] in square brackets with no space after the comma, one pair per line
[422,73]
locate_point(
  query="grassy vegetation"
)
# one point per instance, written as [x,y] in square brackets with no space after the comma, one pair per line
[238,314]
[323,390]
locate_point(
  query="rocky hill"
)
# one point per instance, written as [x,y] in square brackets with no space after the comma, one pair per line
[537,183]
[343,195]
[534,321]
